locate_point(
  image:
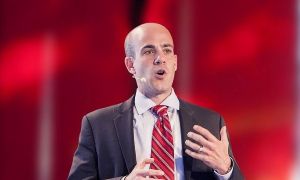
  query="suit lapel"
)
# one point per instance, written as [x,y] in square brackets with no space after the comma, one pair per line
[124,130]
[186,125]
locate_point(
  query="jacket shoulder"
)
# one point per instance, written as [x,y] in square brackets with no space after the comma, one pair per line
[103,112]
[109,112]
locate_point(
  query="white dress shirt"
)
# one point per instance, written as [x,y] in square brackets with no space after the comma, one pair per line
[143,124]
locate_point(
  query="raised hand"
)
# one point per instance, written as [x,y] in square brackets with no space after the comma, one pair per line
[206,147]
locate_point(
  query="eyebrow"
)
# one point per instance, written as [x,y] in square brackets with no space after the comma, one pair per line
[152,46]
[148,46]
[167,45]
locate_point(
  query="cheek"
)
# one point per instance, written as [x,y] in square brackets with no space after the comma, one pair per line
[144,69]
[173,66]
[144,65]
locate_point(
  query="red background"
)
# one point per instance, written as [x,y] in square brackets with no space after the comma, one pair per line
[62,59]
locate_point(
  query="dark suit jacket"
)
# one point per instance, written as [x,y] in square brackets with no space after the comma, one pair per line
[106,144]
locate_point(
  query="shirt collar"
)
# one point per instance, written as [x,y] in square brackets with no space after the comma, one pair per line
[143,103]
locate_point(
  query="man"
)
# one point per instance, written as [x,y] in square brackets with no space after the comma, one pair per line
[154,134]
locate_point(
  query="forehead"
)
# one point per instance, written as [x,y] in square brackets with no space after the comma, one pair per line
[156,36]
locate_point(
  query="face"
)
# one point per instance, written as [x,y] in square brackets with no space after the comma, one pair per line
[155,63]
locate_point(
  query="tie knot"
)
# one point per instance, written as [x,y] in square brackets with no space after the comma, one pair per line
[160,110]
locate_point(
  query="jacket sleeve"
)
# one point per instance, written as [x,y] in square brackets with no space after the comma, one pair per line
[236,173]
[84,165]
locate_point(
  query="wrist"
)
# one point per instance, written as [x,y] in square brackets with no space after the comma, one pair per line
[228,164]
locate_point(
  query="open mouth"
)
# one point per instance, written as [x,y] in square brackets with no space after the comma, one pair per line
[161,72]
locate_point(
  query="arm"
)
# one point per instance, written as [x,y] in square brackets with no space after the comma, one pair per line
[84,164]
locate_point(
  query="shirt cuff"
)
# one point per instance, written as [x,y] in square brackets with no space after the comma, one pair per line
[227,175]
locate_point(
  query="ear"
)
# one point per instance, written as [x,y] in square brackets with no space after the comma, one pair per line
[129,64]
[175,62]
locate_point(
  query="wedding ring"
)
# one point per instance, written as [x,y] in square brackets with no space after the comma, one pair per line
[200,149]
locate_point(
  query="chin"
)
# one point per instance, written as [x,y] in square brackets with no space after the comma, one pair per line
[162,90]
[161,87]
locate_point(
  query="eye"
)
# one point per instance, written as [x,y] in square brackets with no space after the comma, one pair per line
[168,51]
[148,52]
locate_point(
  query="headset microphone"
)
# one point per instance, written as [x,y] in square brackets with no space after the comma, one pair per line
[142,79]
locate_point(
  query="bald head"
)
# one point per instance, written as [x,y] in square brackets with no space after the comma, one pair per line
[135,35]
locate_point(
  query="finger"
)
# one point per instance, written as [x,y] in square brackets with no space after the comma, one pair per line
[145,162]
[224,137]
[205,133]
[195,155]
[199,139]
[154,172]
[195,147]
[150,172]
[155,177]
[206,159]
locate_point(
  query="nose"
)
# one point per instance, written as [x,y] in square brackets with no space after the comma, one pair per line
[158,60]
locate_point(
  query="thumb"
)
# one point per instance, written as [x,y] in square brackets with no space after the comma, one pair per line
[145,162]
[224,137]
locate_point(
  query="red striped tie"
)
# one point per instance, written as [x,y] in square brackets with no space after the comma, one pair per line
[162,143]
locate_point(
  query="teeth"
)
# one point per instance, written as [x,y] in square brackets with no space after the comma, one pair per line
[161,71]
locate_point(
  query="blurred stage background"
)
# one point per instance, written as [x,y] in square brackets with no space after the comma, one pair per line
[62,59]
